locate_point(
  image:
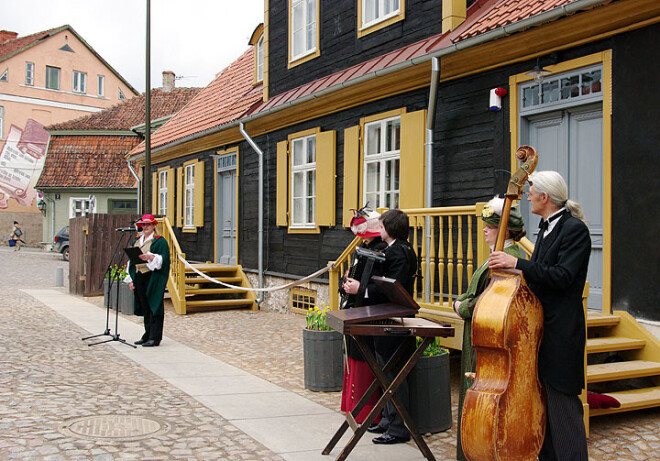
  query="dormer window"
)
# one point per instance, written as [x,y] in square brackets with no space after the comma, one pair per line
[303,31]
[260,59]
[377,14]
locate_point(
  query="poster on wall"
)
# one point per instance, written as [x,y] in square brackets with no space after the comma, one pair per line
[21,161]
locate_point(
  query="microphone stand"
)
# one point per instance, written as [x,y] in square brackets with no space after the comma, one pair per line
[114,279]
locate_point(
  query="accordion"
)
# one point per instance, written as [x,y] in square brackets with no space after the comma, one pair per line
[362,268]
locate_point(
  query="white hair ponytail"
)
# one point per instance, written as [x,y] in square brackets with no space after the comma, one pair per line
[551,183]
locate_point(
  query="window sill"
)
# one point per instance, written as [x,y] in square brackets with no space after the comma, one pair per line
[304,230]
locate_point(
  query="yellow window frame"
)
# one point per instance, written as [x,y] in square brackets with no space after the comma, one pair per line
[312,54]
[362,31]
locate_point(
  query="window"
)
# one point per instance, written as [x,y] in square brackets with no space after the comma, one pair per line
[189,196]
[121,94]
[260,59]
[118,206]
[2,122]
[305,165]
[79,82]
[376,14]
[162,193]
[29,73]
[303,181]
[303,28]
[302,299]
[80,207]
[52,78]
[563,88]
[4,77]
[100,85]
[382,146]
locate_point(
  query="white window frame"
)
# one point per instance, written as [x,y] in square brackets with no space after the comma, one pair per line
[381,6]
[2,122]
[307,27]
[79,82]
[29,73]
[386,191]
[4,77]
[87,206]
[162,193]
[100,85]
[189,196]
[260,59]
[302,169]
[121,94]
[49,83]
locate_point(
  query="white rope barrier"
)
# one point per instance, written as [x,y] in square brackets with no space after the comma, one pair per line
[275,288]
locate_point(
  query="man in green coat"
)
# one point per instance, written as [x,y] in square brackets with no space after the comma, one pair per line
[465,303]
[149,280]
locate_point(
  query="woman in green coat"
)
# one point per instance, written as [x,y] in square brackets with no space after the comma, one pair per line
[464,304]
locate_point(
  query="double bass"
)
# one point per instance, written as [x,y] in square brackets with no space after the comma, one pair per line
[504,412]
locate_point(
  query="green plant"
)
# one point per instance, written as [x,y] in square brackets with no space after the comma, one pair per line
[434,348]
[316,317]
[116,272]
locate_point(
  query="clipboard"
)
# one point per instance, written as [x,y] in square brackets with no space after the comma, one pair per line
[133,254]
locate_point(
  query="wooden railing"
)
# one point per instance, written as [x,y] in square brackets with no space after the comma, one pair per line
[339,267]
[176,283]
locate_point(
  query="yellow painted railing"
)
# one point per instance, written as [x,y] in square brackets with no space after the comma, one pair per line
[339,267]
[176,283]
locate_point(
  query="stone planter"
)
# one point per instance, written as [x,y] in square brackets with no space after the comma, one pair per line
[322,356]
[125,297]
[430,394]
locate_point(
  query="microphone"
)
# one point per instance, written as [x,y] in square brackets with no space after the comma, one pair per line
[126,229]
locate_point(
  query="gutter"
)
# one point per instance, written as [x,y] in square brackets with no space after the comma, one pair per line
[260,217]
[428,181]
[139,186]
[500,32]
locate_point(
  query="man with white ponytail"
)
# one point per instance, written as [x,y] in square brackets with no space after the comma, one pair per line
[556,273]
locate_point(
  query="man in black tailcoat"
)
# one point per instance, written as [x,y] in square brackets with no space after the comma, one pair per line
[556,273]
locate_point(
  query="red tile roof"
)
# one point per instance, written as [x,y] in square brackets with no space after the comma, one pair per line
[130,113]
[224,100]
[87,161]
[16,45]
[503,12]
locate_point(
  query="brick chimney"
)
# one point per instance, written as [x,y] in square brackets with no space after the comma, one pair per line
[168,80]
[7,35]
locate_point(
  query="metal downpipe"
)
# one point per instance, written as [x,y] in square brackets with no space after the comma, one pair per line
[260,243]
[428,181]
[139,187]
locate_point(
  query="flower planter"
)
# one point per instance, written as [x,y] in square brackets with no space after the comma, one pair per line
[430,394]
[126,301]
[322,356]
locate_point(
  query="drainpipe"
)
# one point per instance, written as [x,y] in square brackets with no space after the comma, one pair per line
[428,184]
[260,243]
[139,184]
[52,218]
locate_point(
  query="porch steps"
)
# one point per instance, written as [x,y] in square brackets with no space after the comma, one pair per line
[623,362]
[204,295]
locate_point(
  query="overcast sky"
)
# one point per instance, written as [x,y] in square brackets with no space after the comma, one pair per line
[195,39]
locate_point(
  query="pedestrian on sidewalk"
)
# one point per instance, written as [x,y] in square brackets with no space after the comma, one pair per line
[149,280]
[15,237]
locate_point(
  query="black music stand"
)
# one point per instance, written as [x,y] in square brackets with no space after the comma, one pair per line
[114,282]
[354,323]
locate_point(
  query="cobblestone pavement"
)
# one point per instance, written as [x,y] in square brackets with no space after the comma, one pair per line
[47,379]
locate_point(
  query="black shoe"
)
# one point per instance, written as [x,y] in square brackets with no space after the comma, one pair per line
[139,341]
[376,429]
[151,343]
[388,439]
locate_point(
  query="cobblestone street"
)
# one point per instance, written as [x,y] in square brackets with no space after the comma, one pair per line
[51,383]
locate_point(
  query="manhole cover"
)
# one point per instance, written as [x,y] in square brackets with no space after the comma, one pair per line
[114,427]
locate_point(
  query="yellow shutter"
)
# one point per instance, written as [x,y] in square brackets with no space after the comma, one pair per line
[282,194]
[325,178]
[351,172]
[154,193]
[179,197]
[411,172]
[171,202]
[198,217]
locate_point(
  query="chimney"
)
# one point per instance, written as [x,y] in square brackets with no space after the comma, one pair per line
[168,80]
[6,35]
[453,14]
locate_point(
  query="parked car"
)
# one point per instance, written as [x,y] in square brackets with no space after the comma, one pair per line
[61,242]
